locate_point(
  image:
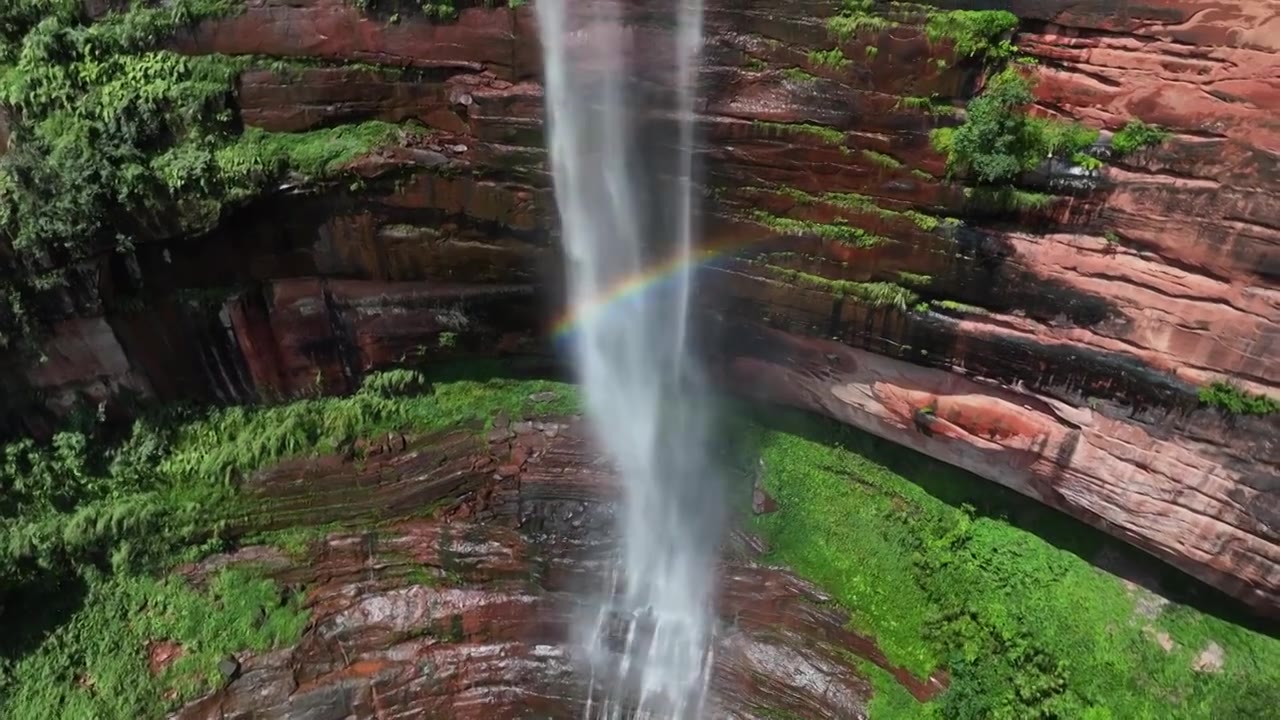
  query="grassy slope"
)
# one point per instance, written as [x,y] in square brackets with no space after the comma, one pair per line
[1028,628]
[95,665]
[160,498]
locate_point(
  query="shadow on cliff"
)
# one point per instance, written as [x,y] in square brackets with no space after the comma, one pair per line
[985,499]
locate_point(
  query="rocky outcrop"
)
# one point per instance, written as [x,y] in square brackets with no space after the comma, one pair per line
[1052,342]
[1189,492]
[468,613]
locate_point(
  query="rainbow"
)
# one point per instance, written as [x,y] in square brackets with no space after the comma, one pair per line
[636,285]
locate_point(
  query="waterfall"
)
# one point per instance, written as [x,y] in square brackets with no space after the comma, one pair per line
[620,96]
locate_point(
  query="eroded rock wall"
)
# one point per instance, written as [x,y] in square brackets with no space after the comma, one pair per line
[1052,345]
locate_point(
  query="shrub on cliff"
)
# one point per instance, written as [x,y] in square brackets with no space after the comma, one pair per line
[998,140]
[975,33]
[1234,400]
[1137,135]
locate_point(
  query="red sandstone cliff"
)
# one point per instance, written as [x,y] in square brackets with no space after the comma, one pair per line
[1067,371]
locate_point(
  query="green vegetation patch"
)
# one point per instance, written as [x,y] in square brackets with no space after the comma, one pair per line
[888,162]
[955,306]
[439,9]
[833,58]
[929,223]
[856,202]
[874,294]
[934,569]
[975,33]
[1137,135]
[916,279]
[95,665]
[258,156]
[74,504]
[998,140]
[931,105]
[1234,400]
[839,231]
[90,104]
[242,439]
[798,75]
[1008,198]
[855,17]
[828,135]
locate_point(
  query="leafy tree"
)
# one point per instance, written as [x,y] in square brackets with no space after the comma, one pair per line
[998,140]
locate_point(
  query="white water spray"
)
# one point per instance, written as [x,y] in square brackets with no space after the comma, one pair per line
[620,101]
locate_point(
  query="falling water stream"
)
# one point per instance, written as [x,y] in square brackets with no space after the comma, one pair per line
[620,95]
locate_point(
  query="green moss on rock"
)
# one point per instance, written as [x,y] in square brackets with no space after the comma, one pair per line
[840,231]
[828,135]
[874,294]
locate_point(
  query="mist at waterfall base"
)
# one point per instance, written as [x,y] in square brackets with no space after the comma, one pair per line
[620,102]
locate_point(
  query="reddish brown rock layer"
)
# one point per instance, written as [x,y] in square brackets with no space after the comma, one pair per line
[469,614]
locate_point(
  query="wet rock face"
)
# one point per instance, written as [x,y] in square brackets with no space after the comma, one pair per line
[470,613]
[1060,342]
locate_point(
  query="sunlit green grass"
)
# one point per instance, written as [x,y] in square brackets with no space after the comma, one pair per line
[948,570]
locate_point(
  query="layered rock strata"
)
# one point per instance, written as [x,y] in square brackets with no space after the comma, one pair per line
[1050,342]
[468,613]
